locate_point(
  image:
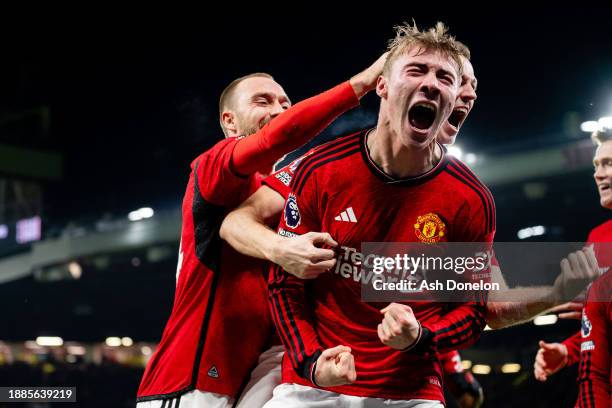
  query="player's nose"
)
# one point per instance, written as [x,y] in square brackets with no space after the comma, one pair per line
[276,109]
[430,85]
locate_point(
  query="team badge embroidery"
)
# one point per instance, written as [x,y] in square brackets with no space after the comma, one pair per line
[429,228]
[292,212]
[586,325]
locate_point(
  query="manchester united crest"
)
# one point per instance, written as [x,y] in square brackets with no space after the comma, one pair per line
[429,228]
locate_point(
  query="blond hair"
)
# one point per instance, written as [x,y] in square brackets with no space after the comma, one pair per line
[227,96]
[435,38]
[602,135]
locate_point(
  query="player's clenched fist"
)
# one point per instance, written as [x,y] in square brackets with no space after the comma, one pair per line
[335,366]
[303,256]
[399,328]
[577,270]
[551,357]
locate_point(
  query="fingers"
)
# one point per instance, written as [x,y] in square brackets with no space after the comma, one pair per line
[547,346]
[334,351]
[591,259]
[346,367]
[571,315]
[321,254]
[322,238]
[584,265]
[568,307]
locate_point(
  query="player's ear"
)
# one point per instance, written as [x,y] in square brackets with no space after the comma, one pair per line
[228,121]
[381,86]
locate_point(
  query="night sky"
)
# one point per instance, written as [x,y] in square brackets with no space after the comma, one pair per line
[133,102]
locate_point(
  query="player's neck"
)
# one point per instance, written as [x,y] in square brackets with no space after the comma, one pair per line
[397,159]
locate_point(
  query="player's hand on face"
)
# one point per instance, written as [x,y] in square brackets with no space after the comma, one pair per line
[578,269]
[399,328]
[365,81]
[569,310]
[551,357]
[335,366]
[302,256]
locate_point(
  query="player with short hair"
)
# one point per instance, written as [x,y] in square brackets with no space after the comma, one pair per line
[201,360]
[339,349]
[591,345]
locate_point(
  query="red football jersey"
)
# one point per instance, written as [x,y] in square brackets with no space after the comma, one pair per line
[595,377]
[199,348]
[600,234]
[220,321]
[337,188]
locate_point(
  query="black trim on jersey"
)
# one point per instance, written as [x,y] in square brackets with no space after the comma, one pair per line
[163,397]
[479,192]
[461,168]
[337,146]
[406,181]
[207,219]
[322,162]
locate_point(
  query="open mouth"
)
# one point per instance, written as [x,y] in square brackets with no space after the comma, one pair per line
[422,115]
[605,187]
[457,117]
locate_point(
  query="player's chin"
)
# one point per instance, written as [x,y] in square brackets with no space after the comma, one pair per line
[606,200]
[447,134]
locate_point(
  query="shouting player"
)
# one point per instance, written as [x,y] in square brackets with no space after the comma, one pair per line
[201,361]
[383,179]
[591,345]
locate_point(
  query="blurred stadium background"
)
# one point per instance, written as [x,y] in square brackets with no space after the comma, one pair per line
[97,133]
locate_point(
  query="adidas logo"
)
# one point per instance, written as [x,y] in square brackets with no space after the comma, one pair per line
[213,372]
[347,215]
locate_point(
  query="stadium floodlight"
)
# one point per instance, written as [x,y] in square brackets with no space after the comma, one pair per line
[482,369]
[529,232]
[471,158]
[510,368]
[466,364]
[49,341]
[113,341]
[545,320]
[126,341]
[76,350]
[75,270]
[3,231]
[455,151]
[146,350]
[141,214]
[589,126]
[605,122]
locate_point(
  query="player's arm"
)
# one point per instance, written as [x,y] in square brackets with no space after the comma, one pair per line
[292,312]
[577,270]
[594,373]
[302,122]
[247,230]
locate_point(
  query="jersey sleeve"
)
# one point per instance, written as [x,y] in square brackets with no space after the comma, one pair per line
[287,294]
[280,180]
[573,348]
[292,129]
[214,177]
[594,369]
